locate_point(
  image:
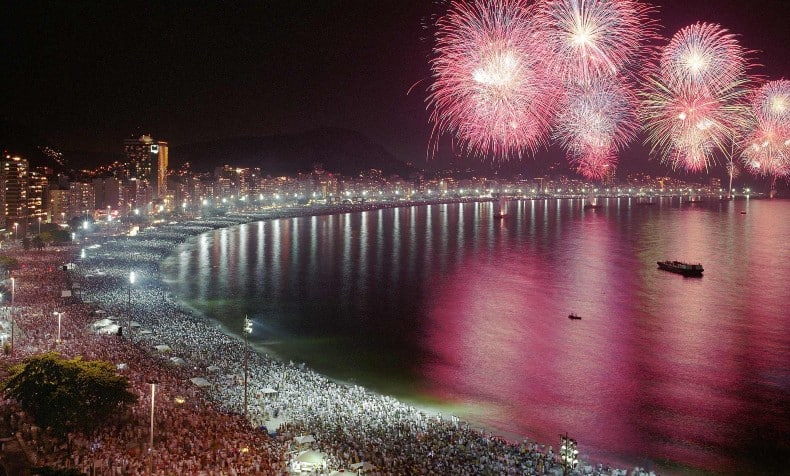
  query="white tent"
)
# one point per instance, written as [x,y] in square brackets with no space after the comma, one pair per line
[101,323]
[200,382]
[362,466]
[304,439]
[310,460]
[177,360]
[111,329]
[163,348]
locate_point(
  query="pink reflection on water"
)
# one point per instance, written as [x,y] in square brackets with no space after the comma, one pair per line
[653,369]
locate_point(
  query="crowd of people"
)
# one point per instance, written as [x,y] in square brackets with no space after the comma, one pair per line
[201,425]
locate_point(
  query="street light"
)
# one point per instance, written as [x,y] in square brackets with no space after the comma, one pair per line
[60,315]
[247,330]
[151,435]
[568,454]
[13,293]
[132,278]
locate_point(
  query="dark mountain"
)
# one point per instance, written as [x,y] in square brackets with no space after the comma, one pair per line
[337,150]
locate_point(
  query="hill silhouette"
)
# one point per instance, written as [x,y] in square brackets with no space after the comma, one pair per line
[336,150]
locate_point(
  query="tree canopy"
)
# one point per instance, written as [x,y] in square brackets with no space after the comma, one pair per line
[68,394]
[7,263]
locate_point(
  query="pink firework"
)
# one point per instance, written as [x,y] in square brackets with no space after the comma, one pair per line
[766,147]
[490,89]
[595,120]
[596,163]
[688,125]
[589,38]
[703,54]
[771,103]
[695,100]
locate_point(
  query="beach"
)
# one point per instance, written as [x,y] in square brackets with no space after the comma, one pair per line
[199,371]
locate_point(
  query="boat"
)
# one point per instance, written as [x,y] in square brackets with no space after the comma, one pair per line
[592,202]
[574,316]
[686,269]
[501,208]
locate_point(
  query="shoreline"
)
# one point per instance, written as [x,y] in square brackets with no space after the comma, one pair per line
[168,320]
[437,410]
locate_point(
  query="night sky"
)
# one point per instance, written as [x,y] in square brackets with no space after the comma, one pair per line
[86,75]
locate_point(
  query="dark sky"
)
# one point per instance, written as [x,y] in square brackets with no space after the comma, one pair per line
[87,74]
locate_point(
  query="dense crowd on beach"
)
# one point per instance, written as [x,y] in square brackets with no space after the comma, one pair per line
[201,426]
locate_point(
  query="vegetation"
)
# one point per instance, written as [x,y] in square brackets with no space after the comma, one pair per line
[38,242]
[56,236]
[7,264]
[68,394]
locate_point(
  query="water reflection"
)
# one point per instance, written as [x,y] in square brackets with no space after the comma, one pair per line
[447,302]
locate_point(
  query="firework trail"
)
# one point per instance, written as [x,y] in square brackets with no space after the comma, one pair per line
[596,119]
[491,90]
[592,38]
[766,146]
[695,101]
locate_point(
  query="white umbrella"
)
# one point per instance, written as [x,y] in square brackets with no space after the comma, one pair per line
[212,368]
[163,348]
[268,391]
[177,360]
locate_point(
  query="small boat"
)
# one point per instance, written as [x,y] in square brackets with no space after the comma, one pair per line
[592,202]
[501,208]
[574,316]
[686,269]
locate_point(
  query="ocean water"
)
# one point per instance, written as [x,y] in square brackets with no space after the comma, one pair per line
[445,305]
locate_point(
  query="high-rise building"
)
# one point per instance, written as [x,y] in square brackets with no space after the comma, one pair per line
[107,192]
[14,177]
[147,161]
[36,196]
[58,205]
[160,189]
[82,201]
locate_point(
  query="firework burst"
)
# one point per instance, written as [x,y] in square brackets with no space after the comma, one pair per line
[595,120]
[703,54]
[766,146]
[490,90]
[590,38]
[695,100]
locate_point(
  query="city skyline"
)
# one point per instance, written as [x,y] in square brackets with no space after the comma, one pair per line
[105,73]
